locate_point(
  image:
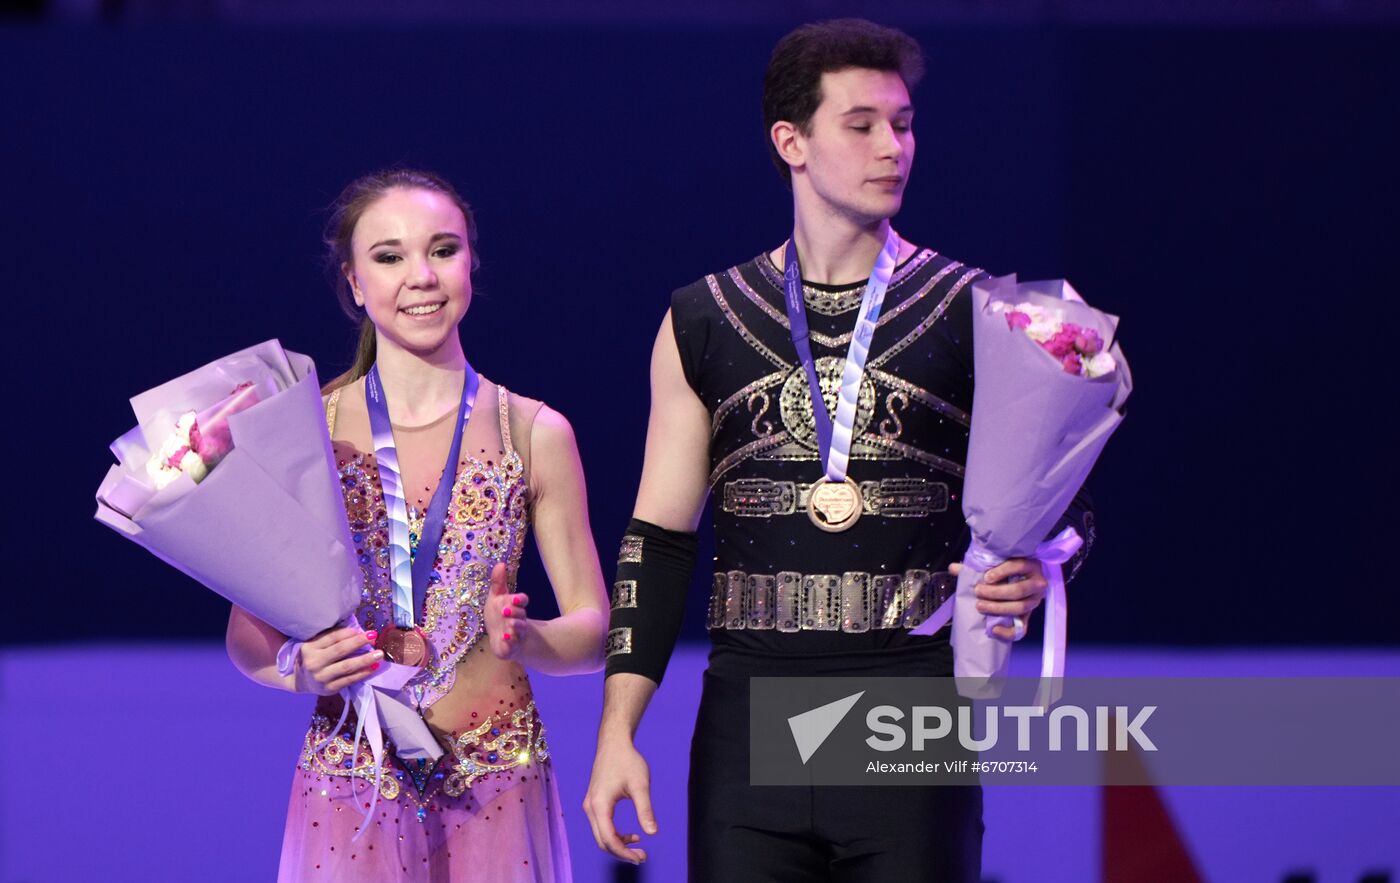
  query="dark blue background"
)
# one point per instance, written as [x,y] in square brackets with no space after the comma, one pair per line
[1230,192]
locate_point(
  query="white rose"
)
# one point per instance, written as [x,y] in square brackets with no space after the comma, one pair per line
[193,465]
[158,467]
[1099,365]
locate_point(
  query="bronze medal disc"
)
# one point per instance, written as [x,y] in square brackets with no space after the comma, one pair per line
[835,505]
[404,646]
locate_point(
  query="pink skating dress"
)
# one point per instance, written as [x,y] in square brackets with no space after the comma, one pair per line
[489,809]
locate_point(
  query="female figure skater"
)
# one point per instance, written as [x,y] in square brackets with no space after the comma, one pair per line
[448,464]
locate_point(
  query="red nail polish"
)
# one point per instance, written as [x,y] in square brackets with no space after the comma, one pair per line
[505,611]
[372,634]
[506,636]
[374,667]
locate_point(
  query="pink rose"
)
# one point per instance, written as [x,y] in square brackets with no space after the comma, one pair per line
[173,461]
[213,443]
[210,436]
[1071,364]
[1088,342]
[1061,344]
[1016,319]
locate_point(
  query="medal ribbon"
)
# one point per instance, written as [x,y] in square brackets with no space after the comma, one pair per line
[834,443]
[411,579]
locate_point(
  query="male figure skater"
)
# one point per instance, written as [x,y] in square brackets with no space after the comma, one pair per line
[836,525]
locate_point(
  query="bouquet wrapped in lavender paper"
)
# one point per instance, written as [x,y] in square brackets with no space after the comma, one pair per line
[229,478]
[1051,383]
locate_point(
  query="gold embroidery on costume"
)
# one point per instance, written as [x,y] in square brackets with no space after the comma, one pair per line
[501,743]
[619,641]
[795,403]
[910,497]
[739,326]
[855,601]
[340,757]
[504,741]
[743,396]
[752,448]
[760,399]
[624,594]
[952,467]
[891,427]
[631,550]
[796,441]
[928,321]
[759,497]
[840,340]
[832,303]
[486,521]
[920,395]
[906,497]
[774,274]
[332,405]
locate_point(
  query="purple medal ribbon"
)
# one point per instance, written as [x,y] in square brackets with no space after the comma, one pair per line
[834,457]
[411,580]
[801,340]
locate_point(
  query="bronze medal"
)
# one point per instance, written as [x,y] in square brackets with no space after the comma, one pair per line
[834,506]
[404,646]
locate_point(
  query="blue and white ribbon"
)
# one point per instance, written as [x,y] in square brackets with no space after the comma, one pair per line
[410,577]
[834,442]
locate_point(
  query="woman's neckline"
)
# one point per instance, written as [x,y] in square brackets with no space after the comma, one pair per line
[417,427]
[448,415]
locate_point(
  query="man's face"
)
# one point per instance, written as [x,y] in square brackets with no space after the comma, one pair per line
[858,155]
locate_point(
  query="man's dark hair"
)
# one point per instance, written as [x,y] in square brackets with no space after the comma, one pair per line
[792,86]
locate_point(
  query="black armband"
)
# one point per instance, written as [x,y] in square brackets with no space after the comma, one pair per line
[654,568]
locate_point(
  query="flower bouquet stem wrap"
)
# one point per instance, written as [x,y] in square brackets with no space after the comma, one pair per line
[1038,425]
[266,527]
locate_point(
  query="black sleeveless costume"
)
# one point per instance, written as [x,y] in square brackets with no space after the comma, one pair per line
[790,599]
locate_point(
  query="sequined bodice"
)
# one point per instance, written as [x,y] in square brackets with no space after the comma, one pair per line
[486,523]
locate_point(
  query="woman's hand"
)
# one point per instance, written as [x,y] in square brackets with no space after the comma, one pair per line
[506,625]
[335,659]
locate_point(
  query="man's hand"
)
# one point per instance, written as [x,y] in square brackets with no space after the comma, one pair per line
[1012,588]
[674,485]
[506,624]
[619,771]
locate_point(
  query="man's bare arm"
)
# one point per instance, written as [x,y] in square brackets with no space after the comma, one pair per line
[672,495]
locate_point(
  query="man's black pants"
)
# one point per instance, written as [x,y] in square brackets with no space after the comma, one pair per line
[741,832]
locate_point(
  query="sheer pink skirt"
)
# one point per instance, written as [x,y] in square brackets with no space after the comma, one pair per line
[488,811]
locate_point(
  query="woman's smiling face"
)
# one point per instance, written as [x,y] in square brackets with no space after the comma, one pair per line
[411,268]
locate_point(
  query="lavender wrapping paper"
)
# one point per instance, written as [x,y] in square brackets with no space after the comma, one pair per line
[266,529]
[1036,433]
